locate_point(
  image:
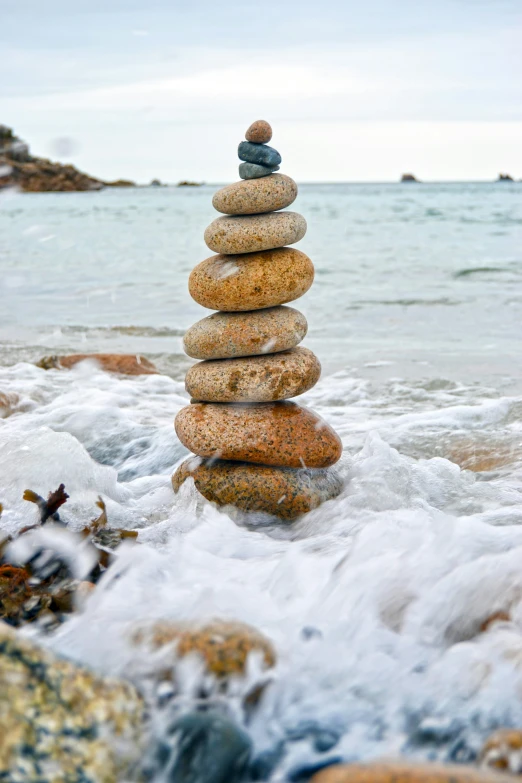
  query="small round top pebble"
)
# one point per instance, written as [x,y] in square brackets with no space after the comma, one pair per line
[259,132]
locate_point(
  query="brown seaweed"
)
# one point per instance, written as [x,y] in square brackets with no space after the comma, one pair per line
[48,508]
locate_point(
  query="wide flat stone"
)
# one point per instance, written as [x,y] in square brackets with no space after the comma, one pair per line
[230,335]
[258,153]
[260,132]
[254,378]
[252,233]
[274,433]
[405,772]
[283,492]
[252,196]
[254,170]
[251,281]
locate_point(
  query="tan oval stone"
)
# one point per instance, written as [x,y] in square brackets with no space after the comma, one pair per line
[228,335]
[503,750]
[230,235]
[404,772]
[252,196]
[260,132]
[254,378]
[283,492]
[223,645]
[273,433]
[251,281]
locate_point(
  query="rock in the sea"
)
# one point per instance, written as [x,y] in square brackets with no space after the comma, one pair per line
[8,402]
[252,233]
[252,196]
[251,281]
[259,132]
[208,748]
[258,153]
[124,364]
[278,433]
[254,170]
[223,645]
[277,376]
[404,772]
[229,335]
[503,750]
[60,723]
[282,492]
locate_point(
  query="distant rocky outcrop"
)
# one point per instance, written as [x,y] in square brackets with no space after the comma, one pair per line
[18,168]
[186,183]
[121,183]
[505,178]
[409,178]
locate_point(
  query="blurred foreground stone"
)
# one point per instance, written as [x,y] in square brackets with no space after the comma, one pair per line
[503,750]
[60,723]
[404,772]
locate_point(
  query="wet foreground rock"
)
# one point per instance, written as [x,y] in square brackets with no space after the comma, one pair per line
[60,723]
[404,772]
[259,452]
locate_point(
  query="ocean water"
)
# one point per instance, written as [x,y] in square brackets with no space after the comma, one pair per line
[375,602]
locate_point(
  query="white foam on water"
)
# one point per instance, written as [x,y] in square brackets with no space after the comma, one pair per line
[374,601]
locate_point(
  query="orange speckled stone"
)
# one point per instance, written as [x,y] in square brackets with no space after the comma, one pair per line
[228,335]
[251,281]
[230,235]
[274,433]
[252,196]
[283,492]
[224,646]
[503,750]
[404,772]
[254,378]
[260,132]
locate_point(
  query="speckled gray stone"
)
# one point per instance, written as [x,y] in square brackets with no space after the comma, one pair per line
[273,433]
[251,281]
[258,153]
[254,170]
[230,235]
[282,492]
[251,197]
[268,378]
[230,335]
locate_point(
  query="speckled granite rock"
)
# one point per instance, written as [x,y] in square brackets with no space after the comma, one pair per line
[279,433]
[260,132]
[60,723]
[224,645]
[254,170]
[283,492]
[252,196]
[503,750]
[254,378]
[230,235]
[258,153]
[251,281]
[404,772]
[229,335]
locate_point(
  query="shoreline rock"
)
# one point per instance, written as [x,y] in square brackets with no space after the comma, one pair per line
[122,364]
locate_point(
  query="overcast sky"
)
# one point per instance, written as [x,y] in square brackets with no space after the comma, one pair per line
[355,90]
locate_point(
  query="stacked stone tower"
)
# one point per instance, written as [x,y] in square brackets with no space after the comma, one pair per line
[255,450]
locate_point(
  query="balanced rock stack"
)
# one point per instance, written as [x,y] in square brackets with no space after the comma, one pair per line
[256,451]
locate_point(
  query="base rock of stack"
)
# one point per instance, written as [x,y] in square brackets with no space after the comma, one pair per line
[406,772]
[254,378]
[281,492]
[283,434]
[229,335]
[252,233]
[251,281]
[253,196]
